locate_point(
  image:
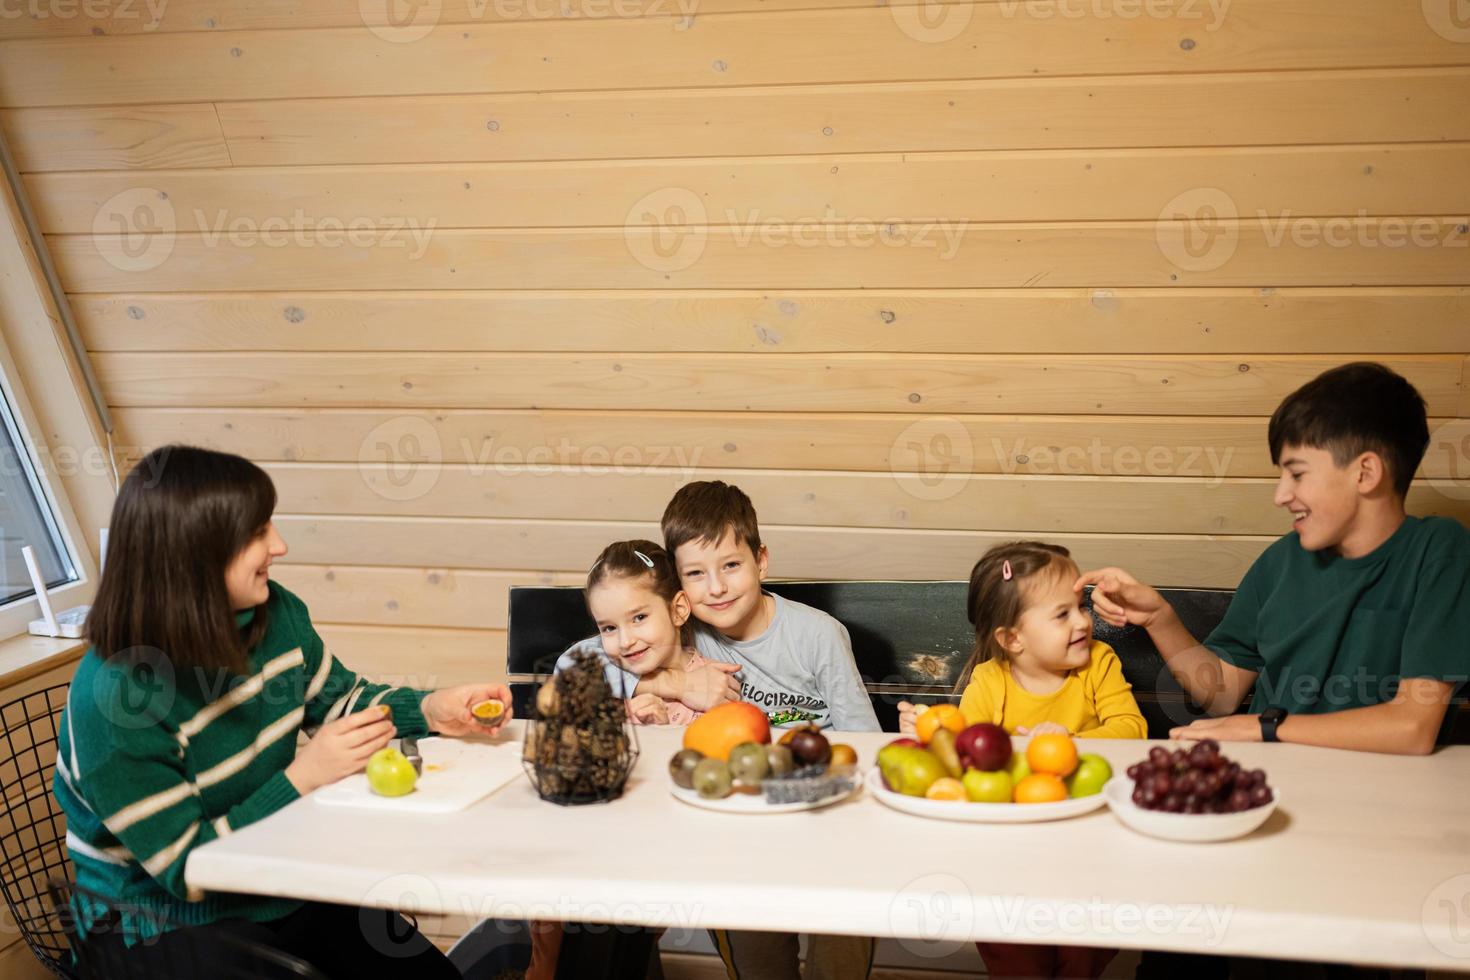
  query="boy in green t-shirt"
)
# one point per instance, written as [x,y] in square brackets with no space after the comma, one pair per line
[1354,629]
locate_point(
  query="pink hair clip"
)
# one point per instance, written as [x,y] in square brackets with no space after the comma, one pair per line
[1005,570]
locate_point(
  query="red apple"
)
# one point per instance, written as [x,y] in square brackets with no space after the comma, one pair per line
[907,741]
[986,747]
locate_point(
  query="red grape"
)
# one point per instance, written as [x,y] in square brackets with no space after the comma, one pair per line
[1199,780]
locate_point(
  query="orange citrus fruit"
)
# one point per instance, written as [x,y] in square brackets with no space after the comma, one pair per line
[946,789]
[946,715]
[1052,753]
[717,731]
[1040,787]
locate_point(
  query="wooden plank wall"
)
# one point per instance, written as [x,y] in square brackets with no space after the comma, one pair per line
[481,282]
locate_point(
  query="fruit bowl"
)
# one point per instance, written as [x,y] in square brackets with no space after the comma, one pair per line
[1189,827]
[967,812]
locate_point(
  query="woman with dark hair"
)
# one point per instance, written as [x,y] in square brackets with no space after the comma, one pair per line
[182,724]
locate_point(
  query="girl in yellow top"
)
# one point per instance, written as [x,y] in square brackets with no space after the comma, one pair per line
[1036,669]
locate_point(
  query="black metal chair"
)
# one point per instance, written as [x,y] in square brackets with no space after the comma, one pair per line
[103,955]
[36,872]
[33,826]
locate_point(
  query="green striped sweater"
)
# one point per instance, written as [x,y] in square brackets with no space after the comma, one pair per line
[153,762]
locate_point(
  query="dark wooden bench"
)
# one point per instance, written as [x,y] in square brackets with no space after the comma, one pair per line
[910,640]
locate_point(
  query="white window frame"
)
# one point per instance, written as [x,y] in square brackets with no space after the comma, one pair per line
[15,616]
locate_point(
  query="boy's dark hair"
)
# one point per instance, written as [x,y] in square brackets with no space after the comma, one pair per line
[1353,409]
[180,518]
[994,602]
[639,559]
[704,511]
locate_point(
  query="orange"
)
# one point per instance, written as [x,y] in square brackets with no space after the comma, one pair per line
[1040,787]
[1052,753]
[717,731]
[946,789]
[946,715]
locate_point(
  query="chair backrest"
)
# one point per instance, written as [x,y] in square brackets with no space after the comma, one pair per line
[179,955]
[910,640]
[32,824]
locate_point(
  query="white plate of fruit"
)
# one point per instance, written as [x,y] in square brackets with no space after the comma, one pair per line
[1196,795]
[729,764]
[973,773]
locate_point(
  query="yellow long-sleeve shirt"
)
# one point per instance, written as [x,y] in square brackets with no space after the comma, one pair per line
[1095,701]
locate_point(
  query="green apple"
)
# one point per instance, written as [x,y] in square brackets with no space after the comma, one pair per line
[908,770]
[1018,767]
[1092,773]
[390,773]
[988,787]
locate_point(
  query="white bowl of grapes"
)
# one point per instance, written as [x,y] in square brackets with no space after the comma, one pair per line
[1195,794]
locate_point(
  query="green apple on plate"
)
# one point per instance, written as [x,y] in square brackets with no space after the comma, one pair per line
[988,787]
[1092,774]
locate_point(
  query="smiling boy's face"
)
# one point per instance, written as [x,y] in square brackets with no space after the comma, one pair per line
[1322,497]
[723,582]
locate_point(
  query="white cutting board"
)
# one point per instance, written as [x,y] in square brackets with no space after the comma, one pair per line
[457,772]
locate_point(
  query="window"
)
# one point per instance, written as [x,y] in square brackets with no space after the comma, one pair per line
[26,519]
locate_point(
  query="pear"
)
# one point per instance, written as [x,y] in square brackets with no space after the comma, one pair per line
[908,770]
[941,744]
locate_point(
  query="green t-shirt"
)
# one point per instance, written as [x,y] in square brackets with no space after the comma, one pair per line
[1327,633]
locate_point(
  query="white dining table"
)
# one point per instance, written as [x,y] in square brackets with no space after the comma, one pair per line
[1366,860]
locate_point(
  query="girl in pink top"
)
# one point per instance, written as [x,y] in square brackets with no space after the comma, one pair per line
[642,619]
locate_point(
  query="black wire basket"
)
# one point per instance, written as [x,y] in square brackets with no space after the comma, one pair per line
[580,746]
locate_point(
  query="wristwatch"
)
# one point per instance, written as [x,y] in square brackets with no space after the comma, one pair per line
[1270,719]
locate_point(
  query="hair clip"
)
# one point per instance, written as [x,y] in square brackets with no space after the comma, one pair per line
[1005,570]
[643,558]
